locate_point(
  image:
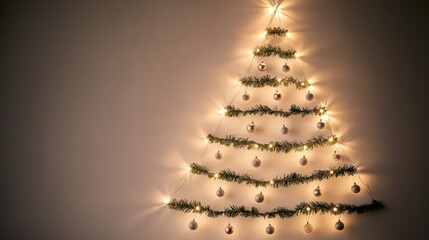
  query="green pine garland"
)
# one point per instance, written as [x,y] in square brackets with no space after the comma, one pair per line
[269,50]
[267,80]
[260,110]
[278,146]
[316,207]
[276,32]
[285,181]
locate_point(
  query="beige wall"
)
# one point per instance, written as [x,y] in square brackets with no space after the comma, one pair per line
[105,103]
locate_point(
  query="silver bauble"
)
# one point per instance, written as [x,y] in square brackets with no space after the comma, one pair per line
[220,192]
[355,188]
[193,225]
[317,192]
[256,162]
[308,228]
[286,68]
[303,161]
[259,197]
[251,127]
[229,229]
[218,155]
[270,229]
[277,96]
[336,156]
[262,67]
[245,96]
[339,225]
[309,96]
[321,125]
[284,130]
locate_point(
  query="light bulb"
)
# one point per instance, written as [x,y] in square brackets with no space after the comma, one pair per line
[308,209]
[216,175]
[271,182]
[325,117]
[322,110]
[331,139]
[189,168]
[335,209]
[271,145]
[166,200]
[288,34]
[222,111]
[256,145]
[279,79]
[198,208]
[331,172]
[271,9]
[310,88]
[297,55]
[305,147]
[258,50]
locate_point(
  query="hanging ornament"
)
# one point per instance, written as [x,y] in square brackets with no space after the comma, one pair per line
[245,96]
[308,228]
[277,96]
[339,225]
[251,127]
[220,192]
[193,225]
[256,162]
[259,197]
[229,229]
[284,129]
[321,124]
[270,229]
[317,192]
[336,156]
[355,188]
[303,161]
[218,155]
[309,96]
[286,68]
[262,67]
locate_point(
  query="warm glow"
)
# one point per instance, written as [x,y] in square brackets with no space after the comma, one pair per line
[310,81]
[271,145]
[322,110]
[258,50]
[288,34]
[206,140]
[335,209]
[188,168]
[305,147]
[256,145]
[337,145]
[264,34]
[297,55]
[222,111]
[197,208]
[331,172]
[308,209]
[271,182]
[166,200]
[271,9]
[279,79]
[325,117]
[310,88]
[331,139]
[216,175]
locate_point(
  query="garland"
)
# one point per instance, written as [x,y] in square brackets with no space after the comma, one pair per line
[285,181]
[276,31]
[267,80]
[278,146]
[270,50]
[306,208]
[260,110]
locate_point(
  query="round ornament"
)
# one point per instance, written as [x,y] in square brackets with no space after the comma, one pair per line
[259,198]
[355,188]
[286,68]
[220,192]
[309,96]
[308,228]
[277,96]
[218,155]
[303,161]
[245,96]
[251,127]
[336,156]
[339,225]
[317,192]
[256,162]
[284,130]
[321,124]
[229,229]
[193,225]
[262,67]
[270,229]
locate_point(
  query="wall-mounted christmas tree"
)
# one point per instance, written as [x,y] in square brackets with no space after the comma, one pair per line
[271,47]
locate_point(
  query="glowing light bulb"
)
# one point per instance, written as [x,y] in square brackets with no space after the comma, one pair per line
[308,209]
[258,50]
[337,145]
[310,88]
[310,81]
[189,168]
[222,111]
[264,34]
[302,84]
[271,9]
[279,79]
[335,209]
[256,145]
[198,208]
[331,172]
[325,117]
[322,110]
[271,145]
[166,200]
[305,147]
[331,139]
[297,55]
[288,34]
[271,182]
[216,175]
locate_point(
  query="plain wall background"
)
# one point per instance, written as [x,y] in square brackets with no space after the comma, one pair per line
[103,103]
